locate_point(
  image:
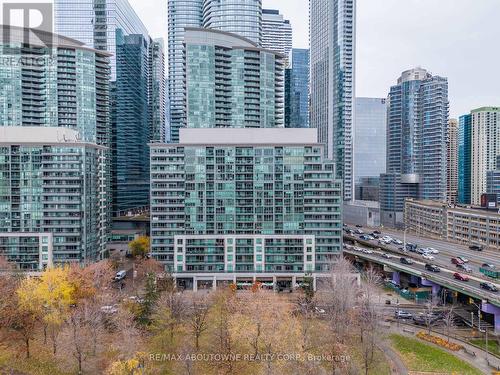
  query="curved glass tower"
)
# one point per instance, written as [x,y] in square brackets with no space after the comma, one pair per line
[242,17]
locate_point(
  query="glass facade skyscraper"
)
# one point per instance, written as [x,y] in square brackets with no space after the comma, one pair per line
[297,90]
[464,158]
[54,149]
[417,133]
[369,137]
[240,202]
[332,43]
[241,17]
[276,33]
[137,110]
[230,82]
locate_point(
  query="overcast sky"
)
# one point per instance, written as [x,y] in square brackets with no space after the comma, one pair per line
[458,39]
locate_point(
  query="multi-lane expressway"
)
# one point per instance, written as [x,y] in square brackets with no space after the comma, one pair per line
[447,250]
[444,278]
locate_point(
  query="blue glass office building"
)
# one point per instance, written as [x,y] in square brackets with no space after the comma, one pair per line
[464,158]
[369,137]
[297,90]
[137,107]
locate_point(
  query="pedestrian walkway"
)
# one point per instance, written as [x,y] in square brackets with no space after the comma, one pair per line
[471,354]
[397,365]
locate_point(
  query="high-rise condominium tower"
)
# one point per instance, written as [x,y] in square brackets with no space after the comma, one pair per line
[464,158]
[137,101]
[242,17]
[417,128]
[240,197]
[332,43]
[276,32]
[485,147]
[54,150]
[452,145]
[230,82]
[297,90]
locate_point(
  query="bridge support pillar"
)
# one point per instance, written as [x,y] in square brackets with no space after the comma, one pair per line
[396,276]
[414,279]
[495,310]
[435,289]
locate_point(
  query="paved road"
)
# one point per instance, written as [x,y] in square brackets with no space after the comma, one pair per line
[445,277]
[447,250]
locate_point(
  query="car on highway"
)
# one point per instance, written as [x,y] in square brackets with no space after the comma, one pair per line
[463,259]
[488,265]
[375,235]
[456,261]
[396,241]
[489,287]
[359,226]
[406,261]
[387,239]
[460,277]
[431,250]
[401,314]
[432,267]
[476,247]
[420,251]
[428,256]
[387,256]
[411,247]
[359,231]
[377,232]
[464,267]
[366,237]
[367,251]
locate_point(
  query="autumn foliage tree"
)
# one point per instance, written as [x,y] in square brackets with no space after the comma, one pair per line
[139,247]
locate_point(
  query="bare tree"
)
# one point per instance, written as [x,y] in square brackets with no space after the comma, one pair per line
[199,307]
[449,320]
[83,332]
[369,316]
[429,316]
[338,296]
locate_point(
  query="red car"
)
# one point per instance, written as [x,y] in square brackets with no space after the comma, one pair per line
[456,261]
[460,277]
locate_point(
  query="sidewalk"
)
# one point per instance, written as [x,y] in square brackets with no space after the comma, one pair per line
[471,354]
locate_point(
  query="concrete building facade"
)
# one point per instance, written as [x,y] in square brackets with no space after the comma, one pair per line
[466,225]
[485,147]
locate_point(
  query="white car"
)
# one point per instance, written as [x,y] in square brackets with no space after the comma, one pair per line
[387,256]
[432,250]
[397,242]
[387,239]
[427,256]
[463,259]
[368,251]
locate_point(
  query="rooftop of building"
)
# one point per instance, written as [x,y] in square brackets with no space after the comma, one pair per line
[457,207]
[367,204]
[41,135]
[245,136]
[205,36]
[41,38]
[486,109]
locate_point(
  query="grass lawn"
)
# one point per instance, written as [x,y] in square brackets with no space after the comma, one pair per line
[492,345]
[418,356]
[38,364]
